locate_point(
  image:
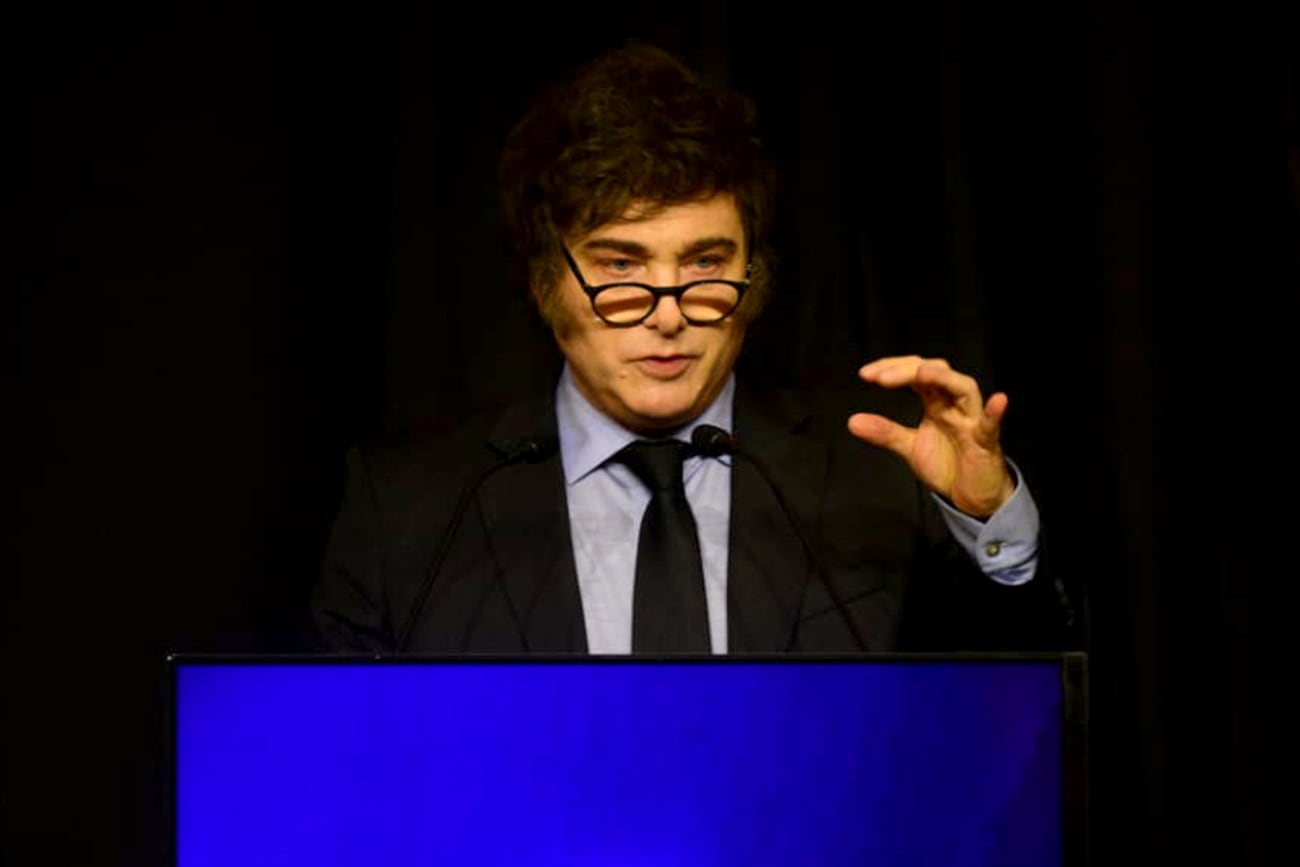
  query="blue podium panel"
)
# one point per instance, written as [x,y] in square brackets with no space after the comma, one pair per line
[577,762]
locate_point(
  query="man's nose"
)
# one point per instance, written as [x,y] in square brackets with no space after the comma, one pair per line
[666,317]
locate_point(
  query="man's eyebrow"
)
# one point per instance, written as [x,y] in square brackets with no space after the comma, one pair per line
[722,241]
[632,248]
[629,248]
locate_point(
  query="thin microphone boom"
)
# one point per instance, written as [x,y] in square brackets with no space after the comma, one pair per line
[529,451]
[712,441]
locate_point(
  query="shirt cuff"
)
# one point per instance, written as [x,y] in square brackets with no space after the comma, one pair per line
[1006,545]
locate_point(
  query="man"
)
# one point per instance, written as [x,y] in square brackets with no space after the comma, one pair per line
[639,201]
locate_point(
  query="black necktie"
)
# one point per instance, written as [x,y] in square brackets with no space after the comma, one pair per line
[669,614]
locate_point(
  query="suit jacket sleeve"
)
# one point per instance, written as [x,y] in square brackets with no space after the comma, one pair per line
[908,583]
[950,604]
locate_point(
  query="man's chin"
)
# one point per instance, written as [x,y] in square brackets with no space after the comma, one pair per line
[661,416]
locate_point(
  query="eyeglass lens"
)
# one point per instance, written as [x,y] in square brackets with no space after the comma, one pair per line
[704,302]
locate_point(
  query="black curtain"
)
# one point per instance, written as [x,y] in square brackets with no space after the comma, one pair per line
[242,237]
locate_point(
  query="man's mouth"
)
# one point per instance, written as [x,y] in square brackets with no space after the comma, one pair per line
[664,366]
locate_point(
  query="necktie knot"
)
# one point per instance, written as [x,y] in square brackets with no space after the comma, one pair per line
[658,464]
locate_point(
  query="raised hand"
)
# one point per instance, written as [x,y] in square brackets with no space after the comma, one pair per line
[955,450]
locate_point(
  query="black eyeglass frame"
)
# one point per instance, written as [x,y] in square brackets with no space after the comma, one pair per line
[741,286]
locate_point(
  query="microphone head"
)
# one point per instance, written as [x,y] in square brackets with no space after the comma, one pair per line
[712,441]
[531,451]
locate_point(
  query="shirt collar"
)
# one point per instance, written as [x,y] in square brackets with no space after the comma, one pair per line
[588,437]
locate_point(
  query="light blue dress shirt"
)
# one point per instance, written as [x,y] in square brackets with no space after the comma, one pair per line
[606,502]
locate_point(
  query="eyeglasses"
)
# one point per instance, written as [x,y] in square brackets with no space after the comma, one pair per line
[702,302]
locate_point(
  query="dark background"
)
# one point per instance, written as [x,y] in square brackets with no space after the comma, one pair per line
[242,237]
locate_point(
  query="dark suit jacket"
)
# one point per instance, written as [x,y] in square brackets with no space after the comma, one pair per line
[508,583]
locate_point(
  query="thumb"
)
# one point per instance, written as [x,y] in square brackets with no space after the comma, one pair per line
[880,431]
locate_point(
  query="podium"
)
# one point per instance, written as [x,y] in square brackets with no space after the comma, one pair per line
[674,762]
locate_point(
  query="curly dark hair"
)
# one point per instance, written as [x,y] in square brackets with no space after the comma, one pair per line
[634,124]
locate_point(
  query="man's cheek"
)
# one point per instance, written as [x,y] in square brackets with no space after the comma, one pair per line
[559,320]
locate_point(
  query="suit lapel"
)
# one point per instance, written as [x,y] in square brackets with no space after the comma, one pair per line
[527,519]
[767,567]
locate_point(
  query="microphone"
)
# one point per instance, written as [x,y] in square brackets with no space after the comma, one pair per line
[712,441]
[528,451]
[532,451]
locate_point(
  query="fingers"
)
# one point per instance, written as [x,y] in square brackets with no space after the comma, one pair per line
[989,429]
[925,374]
[947,396]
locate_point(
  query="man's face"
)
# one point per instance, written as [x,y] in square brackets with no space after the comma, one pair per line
[663,372]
